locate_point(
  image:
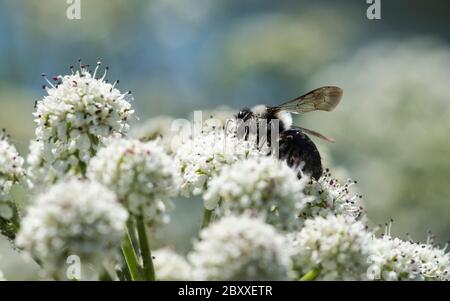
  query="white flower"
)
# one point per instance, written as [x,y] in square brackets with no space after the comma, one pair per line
[38,173]
[73,218]
[240,248]
[11,166]
[394,259]
[262,185]
[11,172]
[73,120]
[204,155]
[336,245]
[434,262]
[330,196]
[169,266]
[143,176]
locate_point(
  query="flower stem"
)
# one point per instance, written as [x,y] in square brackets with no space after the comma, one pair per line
[130,256]
[149,270]
[311,275]
[105,275]
[207,214]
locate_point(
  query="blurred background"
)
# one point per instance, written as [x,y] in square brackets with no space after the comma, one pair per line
[392,127]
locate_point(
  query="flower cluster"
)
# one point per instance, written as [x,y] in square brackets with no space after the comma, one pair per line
[336,245]
[240,248]
[102,190]
[73,218]
[141,174]
[205,155]
[264,186]
[11,166]
[434,261]
[394,259]
[11,172]
[330,196]
[170,266]
[73,120]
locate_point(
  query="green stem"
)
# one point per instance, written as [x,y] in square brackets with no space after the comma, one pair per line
[207,214]
[149,270]
[130,256]
[105,276]
[132,231]
[122,270]
[311,275]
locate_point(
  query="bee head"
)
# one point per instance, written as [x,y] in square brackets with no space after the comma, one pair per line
[244,114]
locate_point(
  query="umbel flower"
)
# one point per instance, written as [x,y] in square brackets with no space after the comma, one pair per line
[141,174]
[394,259]
[11,172]
[79,112]
[11,166]
[335,246]
[205,154]
[170,266]
[240,248]
[434,261]
[264,186]
[330,196]
[72,218]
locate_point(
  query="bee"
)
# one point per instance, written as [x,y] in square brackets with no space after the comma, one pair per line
[295,146]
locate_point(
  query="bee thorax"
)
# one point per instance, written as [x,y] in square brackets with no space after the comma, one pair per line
[285,119]
[260,111]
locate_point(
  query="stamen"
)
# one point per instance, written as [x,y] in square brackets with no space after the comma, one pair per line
[46,79]
[104,74]
[390,226]
[114,84]
[96,69]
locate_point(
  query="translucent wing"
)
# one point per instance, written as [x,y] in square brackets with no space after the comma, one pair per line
[316,134]
[324,99]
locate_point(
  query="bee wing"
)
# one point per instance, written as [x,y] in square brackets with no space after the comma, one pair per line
[324,99]
[316,134]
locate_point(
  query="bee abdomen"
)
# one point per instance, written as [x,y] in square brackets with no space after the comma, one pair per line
[296,147]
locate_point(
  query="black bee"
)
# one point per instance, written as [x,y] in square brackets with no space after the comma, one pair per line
[294,144]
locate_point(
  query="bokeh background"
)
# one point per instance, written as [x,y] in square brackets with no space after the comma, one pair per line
[392,127]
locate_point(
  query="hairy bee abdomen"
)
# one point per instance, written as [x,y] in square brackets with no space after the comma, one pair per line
[296,147]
